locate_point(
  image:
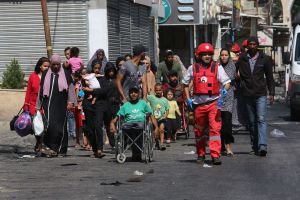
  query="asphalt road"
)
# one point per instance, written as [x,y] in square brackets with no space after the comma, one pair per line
[173,174]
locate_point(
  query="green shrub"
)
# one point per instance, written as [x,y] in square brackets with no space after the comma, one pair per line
[13,77]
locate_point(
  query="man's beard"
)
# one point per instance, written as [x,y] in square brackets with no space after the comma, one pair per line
[252,52]
[169,63]
[174,83]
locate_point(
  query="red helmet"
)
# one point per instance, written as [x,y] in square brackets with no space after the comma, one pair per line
[245,43]
[235,48]
[205,48]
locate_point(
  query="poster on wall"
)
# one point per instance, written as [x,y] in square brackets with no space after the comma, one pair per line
[265,37]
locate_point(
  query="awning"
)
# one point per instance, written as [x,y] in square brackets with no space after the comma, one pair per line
[242,15]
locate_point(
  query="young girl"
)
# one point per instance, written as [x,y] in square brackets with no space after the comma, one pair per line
[172,123]
[75,62]
[78,108]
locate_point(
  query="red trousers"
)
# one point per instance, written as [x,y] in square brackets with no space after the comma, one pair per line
[208,115]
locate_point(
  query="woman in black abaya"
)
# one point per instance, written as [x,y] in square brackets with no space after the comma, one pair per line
[57,94]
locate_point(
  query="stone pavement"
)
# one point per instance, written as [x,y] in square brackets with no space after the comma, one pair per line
[173,174]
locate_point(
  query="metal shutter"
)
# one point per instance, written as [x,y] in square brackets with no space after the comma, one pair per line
[113,29]
[125,27]
[22,31]
[135,26]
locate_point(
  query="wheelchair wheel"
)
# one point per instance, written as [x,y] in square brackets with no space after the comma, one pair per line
[146,151]
[121,158]
[150,150]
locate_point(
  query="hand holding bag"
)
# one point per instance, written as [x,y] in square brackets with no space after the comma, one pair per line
[14,119]
[40,124]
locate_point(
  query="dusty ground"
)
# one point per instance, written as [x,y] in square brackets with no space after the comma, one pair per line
[10,104]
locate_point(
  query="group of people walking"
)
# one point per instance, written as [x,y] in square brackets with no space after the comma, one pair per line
[95,97]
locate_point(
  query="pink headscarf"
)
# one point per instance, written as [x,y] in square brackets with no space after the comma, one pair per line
[62,81]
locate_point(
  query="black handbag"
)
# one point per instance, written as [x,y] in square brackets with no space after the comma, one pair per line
[14,119]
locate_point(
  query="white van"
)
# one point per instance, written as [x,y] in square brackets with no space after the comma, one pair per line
[293,75]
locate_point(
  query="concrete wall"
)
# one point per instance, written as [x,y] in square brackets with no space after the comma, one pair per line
[98,32]
[10,104]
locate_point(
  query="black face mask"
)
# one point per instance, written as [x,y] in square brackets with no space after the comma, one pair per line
[252,52]
[174,83]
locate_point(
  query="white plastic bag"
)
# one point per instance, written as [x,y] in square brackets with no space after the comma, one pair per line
[38,124]
[277,133]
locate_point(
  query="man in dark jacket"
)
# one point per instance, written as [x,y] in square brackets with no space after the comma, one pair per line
[256,75]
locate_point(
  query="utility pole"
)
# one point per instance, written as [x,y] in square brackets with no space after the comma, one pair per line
[46,27]
[235,20]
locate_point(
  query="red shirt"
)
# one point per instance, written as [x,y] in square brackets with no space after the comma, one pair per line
[32,91]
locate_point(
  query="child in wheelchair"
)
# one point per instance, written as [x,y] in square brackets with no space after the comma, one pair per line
[133,113]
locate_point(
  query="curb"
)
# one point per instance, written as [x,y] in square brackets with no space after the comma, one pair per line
[13,90]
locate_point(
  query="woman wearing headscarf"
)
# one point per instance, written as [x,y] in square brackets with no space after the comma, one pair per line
[177,59]
[56,95]
[99,55]
[226,110]
[94,112]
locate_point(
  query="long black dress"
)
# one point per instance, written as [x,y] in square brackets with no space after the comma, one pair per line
[55,108]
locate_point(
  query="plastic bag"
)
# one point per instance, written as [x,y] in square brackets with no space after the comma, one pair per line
[39,124]
[23,124]
[277,133]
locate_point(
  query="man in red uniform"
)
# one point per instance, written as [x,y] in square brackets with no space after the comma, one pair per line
[209,79]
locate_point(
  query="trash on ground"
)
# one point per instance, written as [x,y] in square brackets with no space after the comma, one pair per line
[138,173]
[150,171]
[136,179]
[69,164]
[189,153]
[277,133]
[205,165]
[28,156]
[117,183]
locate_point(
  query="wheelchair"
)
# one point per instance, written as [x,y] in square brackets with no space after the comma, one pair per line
[124,141]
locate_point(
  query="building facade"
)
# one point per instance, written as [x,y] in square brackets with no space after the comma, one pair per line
[113,25]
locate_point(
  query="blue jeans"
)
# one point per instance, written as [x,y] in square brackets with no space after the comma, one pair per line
[71,124]
[257,108]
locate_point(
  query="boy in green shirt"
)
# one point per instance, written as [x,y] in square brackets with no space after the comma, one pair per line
[134,112]
[160,107]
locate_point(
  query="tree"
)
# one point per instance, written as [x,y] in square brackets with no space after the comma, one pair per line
[13,77]
[295,9]
[277,11]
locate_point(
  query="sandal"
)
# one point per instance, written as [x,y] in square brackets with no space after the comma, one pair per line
[37,148]
[51,154]
[88,148]
[99,154]
[77,146]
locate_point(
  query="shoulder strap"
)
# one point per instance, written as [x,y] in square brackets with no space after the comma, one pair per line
[196,67]
[213,67]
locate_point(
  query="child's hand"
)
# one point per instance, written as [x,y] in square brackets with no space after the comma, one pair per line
[99,75]
[70,106]
[87,89]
